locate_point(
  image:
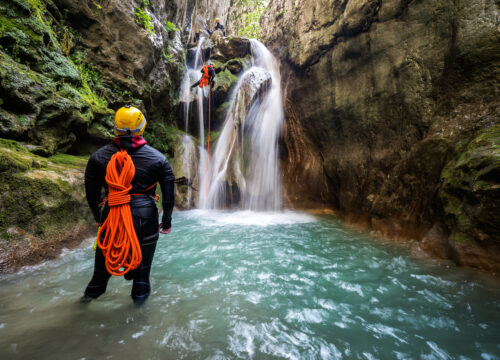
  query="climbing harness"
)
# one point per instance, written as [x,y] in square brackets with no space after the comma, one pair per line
[119,243]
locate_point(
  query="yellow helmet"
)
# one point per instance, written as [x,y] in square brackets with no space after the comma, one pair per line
[129,120]
[217,19]
[201,30]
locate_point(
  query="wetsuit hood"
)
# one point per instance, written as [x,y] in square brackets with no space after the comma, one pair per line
[127,142]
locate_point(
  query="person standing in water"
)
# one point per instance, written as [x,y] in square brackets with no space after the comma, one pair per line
[150,168]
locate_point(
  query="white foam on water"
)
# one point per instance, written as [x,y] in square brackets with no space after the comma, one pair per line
[217,218]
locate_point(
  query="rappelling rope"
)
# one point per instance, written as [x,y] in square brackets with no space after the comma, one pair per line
[208,141]
[119,244]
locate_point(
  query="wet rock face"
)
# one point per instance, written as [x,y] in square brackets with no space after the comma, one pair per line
[381,98]
[227,48]
[68,65]
[42,205]
[254,85]
[231,56]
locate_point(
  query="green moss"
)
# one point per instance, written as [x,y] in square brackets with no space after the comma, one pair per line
[12,145]
[489,137]
[13,157]
[225,79]
[91,78]
[214,135]
[69,160]
[40,206]
[162,136]
[469,187]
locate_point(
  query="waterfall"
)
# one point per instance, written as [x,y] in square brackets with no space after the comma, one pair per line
[191,75]
[246,153]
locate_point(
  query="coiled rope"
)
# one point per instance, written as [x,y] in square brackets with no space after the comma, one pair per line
[119,244]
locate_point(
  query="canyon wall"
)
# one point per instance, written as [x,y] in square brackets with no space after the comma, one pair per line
[393,117]
[65,67]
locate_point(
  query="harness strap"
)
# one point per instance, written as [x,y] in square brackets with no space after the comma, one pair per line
[123,197]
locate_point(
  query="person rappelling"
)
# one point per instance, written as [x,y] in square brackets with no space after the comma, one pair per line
[197,36]
[207,77]
[128,169]
[218,26]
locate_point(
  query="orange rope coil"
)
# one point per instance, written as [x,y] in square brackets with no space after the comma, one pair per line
[120,245]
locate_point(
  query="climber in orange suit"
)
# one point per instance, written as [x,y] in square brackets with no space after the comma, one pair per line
[207,77]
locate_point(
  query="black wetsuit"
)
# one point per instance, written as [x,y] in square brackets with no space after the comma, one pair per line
[219,26]
[197,37]
[150,166]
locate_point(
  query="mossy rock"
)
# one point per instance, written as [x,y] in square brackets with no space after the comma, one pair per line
[225,82]
[42,203]
[13,158]
[39,205]
[41,87]
[470,189]
[237,65]
[69,160]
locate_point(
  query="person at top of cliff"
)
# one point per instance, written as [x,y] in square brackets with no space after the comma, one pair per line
[150,168]
[197,36]
[218,26]
[208,75]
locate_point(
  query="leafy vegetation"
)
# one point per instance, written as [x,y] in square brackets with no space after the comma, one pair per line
[162,137]
[170,26]
[249,21]
[167,57]
[142,17]
[91,79]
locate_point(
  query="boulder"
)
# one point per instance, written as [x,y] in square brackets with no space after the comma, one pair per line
[227,48]
[42,205]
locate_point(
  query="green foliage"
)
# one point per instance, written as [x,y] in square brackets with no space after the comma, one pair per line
[39,8]
[143,19]
[170,26]
[162,136]
[66,40]
[91,79]
[280,15]
[167,57]
[251,22]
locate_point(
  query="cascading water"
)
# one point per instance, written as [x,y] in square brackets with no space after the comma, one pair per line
[191,75]
[246,153]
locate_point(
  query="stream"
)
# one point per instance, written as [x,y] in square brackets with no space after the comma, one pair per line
[256,285]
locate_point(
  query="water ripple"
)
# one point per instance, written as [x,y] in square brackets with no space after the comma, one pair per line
[229,285]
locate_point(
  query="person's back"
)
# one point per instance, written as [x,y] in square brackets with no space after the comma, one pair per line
[151,167]
[218,26]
